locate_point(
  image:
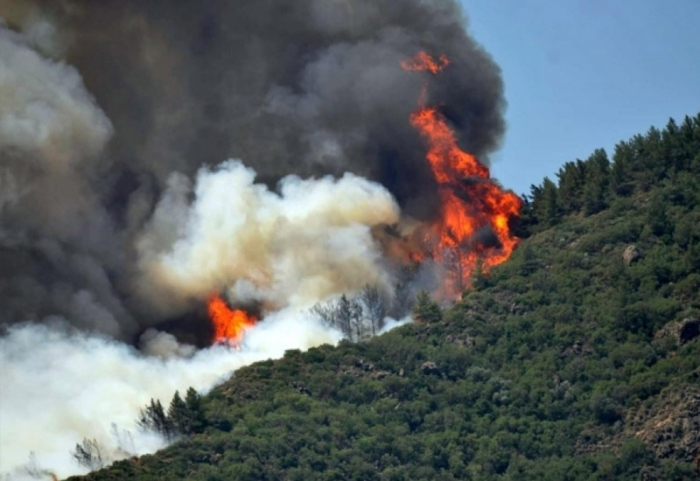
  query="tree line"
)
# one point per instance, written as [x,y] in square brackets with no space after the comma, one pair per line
[588,186]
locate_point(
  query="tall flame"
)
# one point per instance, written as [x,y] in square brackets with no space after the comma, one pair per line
[229,324]
[471,203]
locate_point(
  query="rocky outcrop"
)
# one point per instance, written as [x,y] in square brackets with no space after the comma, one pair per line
[578,348]
[678,332]
[361,367]
[429,367]
[671,426]
[379,374]
[463,340]
[631,254]
[689,330]
[301,388]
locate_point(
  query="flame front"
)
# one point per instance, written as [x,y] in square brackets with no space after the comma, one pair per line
[229,324]
[471,203]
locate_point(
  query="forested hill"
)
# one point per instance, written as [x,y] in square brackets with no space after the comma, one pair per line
[577,359]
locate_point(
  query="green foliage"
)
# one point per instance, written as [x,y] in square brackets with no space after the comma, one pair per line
[154,418]
[183,417]
[179,415]
[605,409]
[426,309]
[186,417]
[638,165]
[595,188]
[545,204]
[194,414]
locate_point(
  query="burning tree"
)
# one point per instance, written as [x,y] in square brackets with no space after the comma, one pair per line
[471,203]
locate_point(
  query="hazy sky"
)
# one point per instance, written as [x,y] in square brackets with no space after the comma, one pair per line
[584,74]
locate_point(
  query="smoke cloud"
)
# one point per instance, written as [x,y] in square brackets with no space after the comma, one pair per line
[47,410]
[120,213]
[111,109]
[291,249]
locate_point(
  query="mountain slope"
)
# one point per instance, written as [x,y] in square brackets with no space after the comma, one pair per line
[579,358]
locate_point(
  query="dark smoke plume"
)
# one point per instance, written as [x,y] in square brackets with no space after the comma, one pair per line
[306,87]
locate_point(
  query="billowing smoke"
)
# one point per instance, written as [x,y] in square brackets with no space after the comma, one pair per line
[121,211]
[308,242]
[43,411]
[56,236]
[90,167]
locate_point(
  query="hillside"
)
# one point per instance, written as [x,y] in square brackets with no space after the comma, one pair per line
[579,358]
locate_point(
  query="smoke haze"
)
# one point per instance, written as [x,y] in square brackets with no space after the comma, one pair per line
[121,209]
[46,408]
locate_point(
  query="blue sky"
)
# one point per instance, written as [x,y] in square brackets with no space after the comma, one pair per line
[585,74]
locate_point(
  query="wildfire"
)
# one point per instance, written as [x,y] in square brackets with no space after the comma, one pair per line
[471,203]
[423,61]
[229,324]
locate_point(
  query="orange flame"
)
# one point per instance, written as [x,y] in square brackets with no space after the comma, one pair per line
[424,62]
[229,324]
[470,201]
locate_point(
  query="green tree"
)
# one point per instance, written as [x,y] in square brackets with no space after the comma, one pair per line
[621,171]
[596,184]
[195,411]
[153,418]
[545,203]
[426,309]
[179,415]
[657,216]
[572,177]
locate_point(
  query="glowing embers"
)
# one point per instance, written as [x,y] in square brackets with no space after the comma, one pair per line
[229,324]
[472,229]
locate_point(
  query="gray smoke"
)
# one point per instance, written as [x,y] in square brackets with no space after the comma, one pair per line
[120,208]
[104,105]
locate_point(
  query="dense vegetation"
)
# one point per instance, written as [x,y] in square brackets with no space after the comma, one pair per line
[577,359]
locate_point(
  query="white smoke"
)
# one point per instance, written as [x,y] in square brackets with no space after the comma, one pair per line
[61,386]
[390,323]
[292,249]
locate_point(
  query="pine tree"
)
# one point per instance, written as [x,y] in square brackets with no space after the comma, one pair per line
[345,315]
[545,204]
[375,307]
[426,309]
[89,454]
[621,170]
[572,177]
[197,419]
[179,416]
[596,185]
[153,418]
